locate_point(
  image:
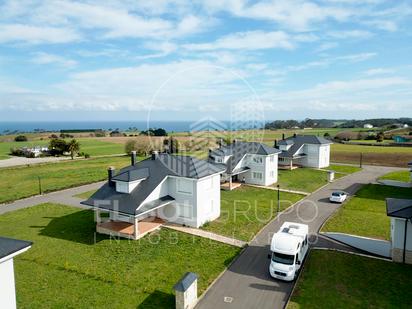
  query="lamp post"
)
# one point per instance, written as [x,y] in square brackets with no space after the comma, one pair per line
[360,160]
[40,190]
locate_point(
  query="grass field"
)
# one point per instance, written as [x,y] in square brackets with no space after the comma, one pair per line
[404,176]
[245,210]
[85,195]
[92,146]
[365,213]
[341,280]
[20,182]
[303,179]
[374,155]
[66,268]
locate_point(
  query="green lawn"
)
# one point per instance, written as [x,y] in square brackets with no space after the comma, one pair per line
[65,268]
[365,213]
[341,280]
[345,169]
[404,176]
[20,182]
[93,147]
[245,210]
[303,179]
[369,149]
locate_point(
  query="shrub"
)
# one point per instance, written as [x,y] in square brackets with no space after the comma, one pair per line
[20,138]
[86,156]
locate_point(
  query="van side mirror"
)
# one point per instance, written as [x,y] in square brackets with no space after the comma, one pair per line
[269,256]
[297,262]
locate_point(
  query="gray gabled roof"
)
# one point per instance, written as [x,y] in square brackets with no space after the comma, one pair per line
[298,141]
[238,150]
[132,175]
[400,208]
[9,246]
[158,169]
[185,282]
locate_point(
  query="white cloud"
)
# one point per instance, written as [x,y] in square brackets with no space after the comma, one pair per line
[45,58]
[350,34]
[251,40]
[36,34]
[378,71]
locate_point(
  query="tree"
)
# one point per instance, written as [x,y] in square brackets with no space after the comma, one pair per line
[20,138]
[379,137]
[131,145]
[73,147]
[57,146]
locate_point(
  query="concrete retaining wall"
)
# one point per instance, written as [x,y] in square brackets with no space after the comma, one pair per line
[374,246]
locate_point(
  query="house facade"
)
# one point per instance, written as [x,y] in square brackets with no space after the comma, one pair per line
[304,150]
[248,162]
[163,188]
[9,248]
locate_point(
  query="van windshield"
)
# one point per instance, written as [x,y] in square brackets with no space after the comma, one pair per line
[283,258]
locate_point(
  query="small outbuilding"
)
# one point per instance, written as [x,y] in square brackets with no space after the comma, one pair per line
[186,291]
[9,248]
[400,211]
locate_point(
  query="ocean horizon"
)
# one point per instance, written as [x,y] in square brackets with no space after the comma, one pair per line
[49,126]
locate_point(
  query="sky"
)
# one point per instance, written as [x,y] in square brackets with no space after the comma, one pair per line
[192,60]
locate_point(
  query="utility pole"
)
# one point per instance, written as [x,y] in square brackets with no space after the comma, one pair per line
[40,191]
[360,160]
[278,199]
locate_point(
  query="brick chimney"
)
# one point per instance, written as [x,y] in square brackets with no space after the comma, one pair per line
[133,157]
[110,174]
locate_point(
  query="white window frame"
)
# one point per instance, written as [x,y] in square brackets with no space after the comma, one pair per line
[255,175]
[178,189]
[257,160]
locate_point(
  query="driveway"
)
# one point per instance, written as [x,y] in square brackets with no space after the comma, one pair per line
[247,283]
[65,197]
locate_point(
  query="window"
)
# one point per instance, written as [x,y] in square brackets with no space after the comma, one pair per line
[184,211]
[281,159]
[184,186]
[257,175]
[258,160]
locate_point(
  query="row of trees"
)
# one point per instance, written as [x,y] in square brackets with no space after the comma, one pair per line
[59,146]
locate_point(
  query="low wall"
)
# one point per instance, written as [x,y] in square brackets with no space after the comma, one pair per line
[371,245]
[395,183]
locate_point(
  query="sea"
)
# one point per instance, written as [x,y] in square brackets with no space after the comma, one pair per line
[8,127]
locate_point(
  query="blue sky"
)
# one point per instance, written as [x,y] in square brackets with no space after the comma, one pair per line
[176,60]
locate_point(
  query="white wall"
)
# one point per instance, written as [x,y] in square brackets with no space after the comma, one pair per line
[318,156]
[271,169]
[264,169]
[7,290]
[397,234]
[208,199]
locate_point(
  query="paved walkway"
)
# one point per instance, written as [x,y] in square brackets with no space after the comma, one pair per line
[206,234]
[281,190]
[65,197]
[247,280]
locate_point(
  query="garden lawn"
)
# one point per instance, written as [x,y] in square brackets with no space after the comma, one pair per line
[85,195]
[66,268]
[341,280]
[245,210]
[22,181]
[303,179]
[365,213]
[404,176]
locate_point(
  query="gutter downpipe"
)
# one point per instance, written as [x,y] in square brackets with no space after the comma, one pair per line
[404,242]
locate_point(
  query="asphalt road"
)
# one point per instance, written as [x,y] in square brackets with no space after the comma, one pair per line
[247,283]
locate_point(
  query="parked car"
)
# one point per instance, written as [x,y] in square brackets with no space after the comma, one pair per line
[288,248]
[338,197]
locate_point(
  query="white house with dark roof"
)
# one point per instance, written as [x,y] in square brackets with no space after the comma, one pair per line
[162,188]
[304,150]
[9,248]
[248,162]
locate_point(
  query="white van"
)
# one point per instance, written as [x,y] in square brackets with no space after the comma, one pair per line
[289,247]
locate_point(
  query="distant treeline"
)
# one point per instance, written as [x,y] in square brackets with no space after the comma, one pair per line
[336,123]
[81,130]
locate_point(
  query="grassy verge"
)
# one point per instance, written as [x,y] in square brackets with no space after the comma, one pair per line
[73,271]
[244,211]
[85,195]
[338,280]
[345,169]
[21,182]
[365,213]
[398,176]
